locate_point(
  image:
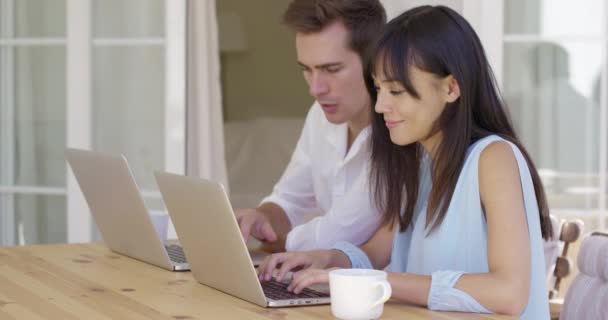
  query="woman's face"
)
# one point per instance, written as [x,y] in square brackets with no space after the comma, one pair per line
[410,119]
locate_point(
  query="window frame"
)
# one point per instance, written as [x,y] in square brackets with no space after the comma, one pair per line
[79,44]
[487,17]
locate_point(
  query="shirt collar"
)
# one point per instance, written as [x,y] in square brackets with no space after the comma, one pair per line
[338,135]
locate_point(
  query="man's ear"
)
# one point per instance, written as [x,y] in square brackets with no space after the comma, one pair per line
[452,89]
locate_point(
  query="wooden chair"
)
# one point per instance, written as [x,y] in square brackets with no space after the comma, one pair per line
[587,296]
[569,232]
[559,264]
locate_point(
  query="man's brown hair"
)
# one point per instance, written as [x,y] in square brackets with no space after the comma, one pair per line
[363,19]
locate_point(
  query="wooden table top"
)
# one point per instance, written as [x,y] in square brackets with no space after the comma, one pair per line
[88,281]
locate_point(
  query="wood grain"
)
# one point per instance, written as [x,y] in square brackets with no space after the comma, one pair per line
[87,281]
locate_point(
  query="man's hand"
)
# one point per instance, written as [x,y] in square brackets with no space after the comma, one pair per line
[255,223]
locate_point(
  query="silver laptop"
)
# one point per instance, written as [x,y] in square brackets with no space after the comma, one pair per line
[218,256]
[119,210]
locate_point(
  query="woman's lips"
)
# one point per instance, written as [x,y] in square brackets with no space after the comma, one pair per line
[392,124]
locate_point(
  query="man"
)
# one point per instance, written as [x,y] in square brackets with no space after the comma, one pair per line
[328,171]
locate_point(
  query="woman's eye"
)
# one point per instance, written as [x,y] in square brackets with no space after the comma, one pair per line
[397,92]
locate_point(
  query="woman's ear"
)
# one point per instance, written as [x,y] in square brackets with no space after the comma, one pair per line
[452,89]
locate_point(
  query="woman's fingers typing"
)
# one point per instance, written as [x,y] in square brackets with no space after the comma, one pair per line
[306,278]
[295,262]
[301,263]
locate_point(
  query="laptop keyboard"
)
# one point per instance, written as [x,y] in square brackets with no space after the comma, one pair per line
[176,253]
[278,291]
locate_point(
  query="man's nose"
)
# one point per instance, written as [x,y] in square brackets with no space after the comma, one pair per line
[318,85]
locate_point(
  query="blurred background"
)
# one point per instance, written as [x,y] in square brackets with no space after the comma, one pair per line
[212,88]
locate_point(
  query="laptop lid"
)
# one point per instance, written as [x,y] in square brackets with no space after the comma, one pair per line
[117,206]
[210,236]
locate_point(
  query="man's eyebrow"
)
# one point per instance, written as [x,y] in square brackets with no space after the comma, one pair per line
[322,66]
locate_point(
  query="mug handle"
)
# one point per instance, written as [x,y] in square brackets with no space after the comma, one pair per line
[386,292]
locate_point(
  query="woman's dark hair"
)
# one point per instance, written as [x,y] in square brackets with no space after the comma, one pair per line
[363,19]
[438,40]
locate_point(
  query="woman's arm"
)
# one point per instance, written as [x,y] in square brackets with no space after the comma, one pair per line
[508,237]
[505,288]
[377,248]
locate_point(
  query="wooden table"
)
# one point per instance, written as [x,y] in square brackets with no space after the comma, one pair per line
[87,281]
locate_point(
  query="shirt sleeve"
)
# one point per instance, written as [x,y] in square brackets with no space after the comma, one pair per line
[294,192]
[358,258]
[444,297]
[351,218]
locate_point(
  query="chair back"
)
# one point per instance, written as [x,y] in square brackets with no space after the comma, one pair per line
[587,297]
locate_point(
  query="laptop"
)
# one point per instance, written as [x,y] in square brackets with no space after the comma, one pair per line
[119,210]
[212,241]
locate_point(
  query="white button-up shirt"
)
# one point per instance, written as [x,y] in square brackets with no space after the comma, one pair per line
[323,178]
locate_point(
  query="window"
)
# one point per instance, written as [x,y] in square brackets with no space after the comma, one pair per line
[101,74]
[554,82]
[33,121]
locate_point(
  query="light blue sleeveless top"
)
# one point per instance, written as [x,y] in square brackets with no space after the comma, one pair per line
[459,243]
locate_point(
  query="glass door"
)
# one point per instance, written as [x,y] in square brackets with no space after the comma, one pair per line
[102,75]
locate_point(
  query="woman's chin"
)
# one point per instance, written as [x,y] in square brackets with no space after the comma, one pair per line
[402,141]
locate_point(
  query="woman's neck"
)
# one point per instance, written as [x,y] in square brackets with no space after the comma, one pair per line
[431,144]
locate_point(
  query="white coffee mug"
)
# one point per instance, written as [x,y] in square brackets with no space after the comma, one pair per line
[160,220]
[358,293]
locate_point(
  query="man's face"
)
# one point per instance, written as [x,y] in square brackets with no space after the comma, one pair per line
[334,73]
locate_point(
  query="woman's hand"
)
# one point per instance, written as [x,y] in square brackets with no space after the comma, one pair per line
[289,261]
[305,278]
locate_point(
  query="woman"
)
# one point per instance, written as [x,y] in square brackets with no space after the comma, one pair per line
[463,207]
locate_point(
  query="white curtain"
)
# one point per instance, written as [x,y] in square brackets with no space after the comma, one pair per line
[204,101]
